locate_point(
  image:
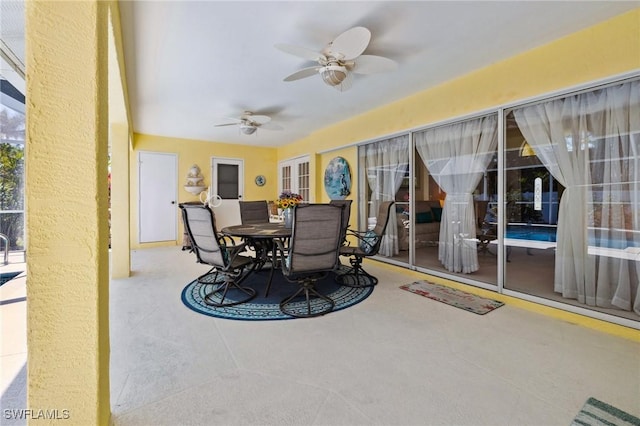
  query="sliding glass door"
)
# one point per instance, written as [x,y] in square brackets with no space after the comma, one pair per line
[555,216]
[585,156]
[385,168]
[461,160]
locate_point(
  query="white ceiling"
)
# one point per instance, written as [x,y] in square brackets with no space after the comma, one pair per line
[12,43]
[193,64]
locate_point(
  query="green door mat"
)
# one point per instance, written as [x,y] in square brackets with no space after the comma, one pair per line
[597,413]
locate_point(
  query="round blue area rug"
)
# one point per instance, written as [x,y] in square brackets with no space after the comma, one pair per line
[263,308]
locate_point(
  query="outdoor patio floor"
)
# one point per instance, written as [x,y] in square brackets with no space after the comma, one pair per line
[394,359]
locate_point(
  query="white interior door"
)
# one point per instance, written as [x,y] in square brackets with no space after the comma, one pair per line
[227,176]
[157,191]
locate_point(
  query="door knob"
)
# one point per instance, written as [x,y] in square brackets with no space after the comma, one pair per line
[173,202]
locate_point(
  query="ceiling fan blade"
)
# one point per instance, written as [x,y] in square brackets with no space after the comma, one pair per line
[371,64]
[303,73]
[257,119]
[226,124]
[301,52]
[271,126]
[351,43]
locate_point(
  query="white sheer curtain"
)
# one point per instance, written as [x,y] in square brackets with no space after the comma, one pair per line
[590,143]
[386,163]
[457,155]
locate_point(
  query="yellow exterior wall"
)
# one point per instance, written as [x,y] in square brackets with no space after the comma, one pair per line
[120,202]
[257,161]
[67,214]
[119,140]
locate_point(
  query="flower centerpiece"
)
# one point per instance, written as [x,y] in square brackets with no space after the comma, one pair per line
[287,201]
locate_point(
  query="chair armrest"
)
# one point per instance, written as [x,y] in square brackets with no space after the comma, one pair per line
[280,245]
[225,239]
[365,240]
[360,235]
[232,248]
[355,232]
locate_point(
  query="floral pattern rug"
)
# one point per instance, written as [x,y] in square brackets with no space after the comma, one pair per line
[451,296]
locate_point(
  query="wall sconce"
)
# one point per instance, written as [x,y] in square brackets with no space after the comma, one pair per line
[195,184]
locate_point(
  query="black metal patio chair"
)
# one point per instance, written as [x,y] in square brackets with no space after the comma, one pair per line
[254,212]
[311,255]
[219,252]
[368,245]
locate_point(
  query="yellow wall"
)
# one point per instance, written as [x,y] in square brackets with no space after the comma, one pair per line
[120,202]
[257,161]
[119,140]
[67,214]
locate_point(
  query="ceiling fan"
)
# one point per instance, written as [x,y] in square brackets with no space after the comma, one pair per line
[248,123]
[339,59]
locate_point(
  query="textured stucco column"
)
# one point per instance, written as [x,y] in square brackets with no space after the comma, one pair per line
[120,211]
[67,212]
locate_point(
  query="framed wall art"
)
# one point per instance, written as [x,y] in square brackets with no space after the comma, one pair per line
[337,179]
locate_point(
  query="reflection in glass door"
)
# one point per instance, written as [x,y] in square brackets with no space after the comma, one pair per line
[573,200]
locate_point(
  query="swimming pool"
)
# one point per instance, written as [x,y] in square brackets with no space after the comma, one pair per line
[524,232]
[548,234]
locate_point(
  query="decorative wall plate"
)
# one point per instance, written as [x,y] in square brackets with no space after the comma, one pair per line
[337,179]
[260,180]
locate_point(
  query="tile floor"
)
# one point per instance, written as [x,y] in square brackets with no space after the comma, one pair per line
[394,359]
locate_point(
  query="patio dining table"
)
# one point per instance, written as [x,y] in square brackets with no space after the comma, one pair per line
[258,234]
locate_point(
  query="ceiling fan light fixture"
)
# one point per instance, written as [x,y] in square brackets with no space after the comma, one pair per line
[333,75]
[248,129]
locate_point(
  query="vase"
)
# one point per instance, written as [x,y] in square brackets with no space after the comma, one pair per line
[287,214]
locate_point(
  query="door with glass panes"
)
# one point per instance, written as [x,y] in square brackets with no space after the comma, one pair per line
[294,177]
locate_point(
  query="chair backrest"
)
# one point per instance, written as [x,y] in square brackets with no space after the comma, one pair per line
[315,238]
[346,215]
[273,209]
[384,212]
[199,223]
[481,211]
[254,212]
